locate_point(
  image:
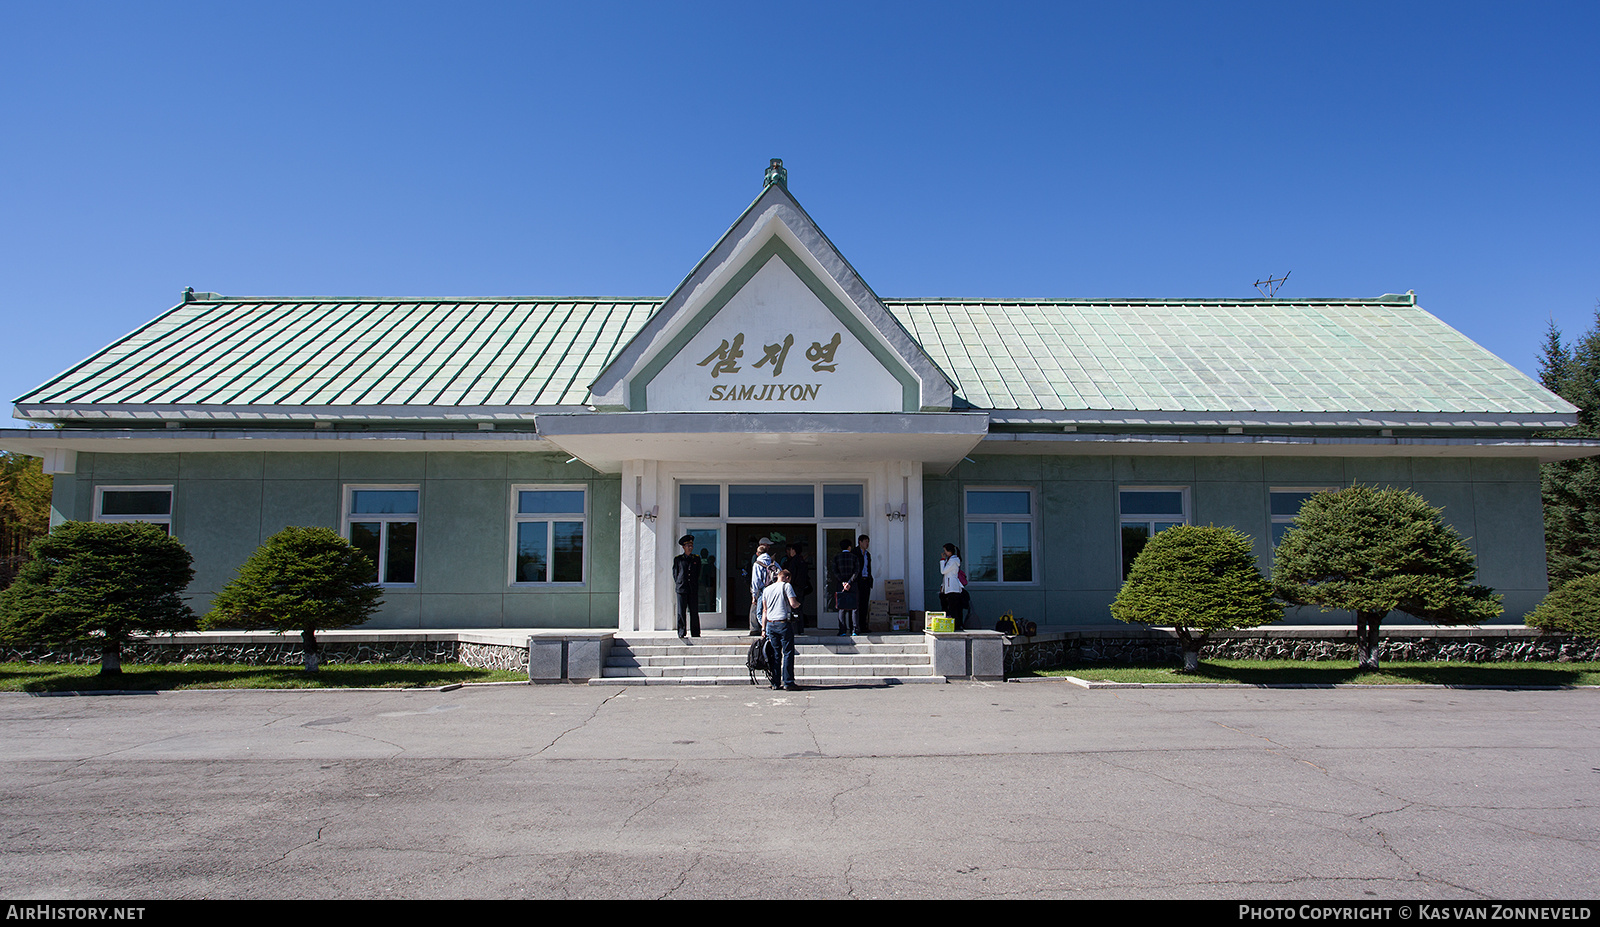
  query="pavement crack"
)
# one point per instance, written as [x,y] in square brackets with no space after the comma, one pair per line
[581,724]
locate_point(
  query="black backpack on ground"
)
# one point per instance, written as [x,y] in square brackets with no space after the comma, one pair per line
[756,661]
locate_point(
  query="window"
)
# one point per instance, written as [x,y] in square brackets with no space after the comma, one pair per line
[547,534]
[772,501]
[134,503]
[381,522]
[1285,505]
[1145,511]
[999,536]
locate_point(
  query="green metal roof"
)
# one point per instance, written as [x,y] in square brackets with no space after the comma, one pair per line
[1260,355]
[521,353]
[1010,356]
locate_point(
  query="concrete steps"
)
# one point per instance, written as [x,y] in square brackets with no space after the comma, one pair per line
[822,660]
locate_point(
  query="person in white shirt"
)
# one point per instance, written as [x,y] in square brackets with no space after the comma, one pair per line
[952,591]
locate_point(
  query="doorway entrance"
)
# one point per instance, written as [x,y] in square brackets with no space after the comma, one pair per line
[742,542]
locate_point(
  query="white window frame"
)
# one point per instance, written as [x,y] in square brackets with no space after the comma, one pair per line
[163,520]
[1031,520]
[550,518]
[349,517]
[1147,520]
[1274,520]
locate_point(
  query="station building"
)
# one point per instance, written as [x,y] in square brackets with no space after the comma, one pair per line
[530,462]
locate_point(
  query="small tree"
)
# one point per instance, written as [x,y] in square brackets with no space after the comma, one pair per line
[1573,608]
[1373,551]
[1198,580]
[301,579]
[101,583]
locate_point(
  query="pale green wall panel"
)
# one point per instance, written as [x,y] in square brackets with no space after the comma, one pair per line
[1076,468]
[604,541]
[1078,521]
[135,467]
[65,493]
[1511,550]
[603,610]
[1504,468]
[1441,469]
[1246,469]
[1459,505]
[470,466]
[1240,505]
[399,609]
[464,536]
[1079,606]
[1303,471]
[530,467]
[299,465]
[469,610]
[1008,468]
[220,466]
[1379,471]
[219,522]
[301,503]
[375,467]
[1154,470]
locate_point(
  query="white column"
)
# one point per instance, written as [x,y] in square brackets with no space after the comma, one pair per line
[628,532]
[638,575]
[916,557]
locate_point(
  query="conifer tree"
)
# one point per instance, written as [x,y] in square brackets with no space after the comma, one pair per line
[1199,580]
[99,582]
[1573,608]
[301,579]
[1373,551]
[1571,488]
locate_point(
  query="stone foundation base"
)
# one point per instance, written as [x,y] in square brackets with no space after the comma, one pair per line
[1052,649]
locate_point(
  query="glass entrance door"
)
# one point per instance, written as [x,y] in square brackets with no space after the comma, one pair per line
[742,542]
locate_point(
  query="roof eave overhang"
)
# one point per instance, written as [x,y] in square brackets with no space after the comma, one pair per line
[272,414]
[1545,450]
[51,443]
[936,439]
[1337,418]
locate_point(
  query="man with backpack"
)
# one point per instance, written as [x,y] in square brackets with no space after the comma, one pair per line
[778,605]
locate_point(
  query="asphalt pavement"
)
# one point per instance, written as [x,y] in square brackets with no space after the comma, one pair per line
[968,790]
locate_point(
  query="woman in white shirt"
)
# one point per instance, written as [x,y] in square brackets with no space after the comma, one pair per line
[952,591]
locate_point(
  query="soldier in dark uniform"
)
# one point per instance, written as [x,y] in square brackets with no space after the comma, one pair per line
[686,580]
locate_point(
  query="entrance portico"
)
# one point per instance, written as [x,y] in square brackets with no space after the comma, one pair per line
[828,474]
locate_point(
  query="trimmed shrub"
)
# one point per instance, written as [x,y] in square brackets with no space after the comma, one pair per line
[1574,607]
[99,583]
[1373,551]
[1199,580]
[301,579]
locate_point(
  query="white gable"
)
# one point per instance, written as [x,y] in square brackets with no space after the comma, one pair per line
[774,346]
[772,320]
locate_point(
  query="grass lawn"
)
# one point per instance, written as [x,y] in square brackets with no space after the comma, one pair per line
[1266,672]
[64,677]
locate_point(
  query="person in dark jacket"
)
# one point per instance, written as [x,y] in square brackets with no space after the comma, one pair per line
[846,573]
[800,569]
[686,580]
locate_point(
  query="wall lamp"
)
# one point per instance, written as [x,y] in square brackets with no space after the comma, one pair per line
[893,513]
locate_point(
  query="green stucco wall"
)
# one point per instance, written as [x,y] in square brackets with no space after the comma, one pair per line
[226,504]
[1077,547]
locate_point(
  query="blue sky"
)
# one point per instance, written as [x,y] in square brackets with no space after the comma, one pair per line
[1063,149]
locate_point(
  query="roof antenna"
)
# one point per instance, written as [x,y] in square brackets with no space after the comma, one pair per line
[1270,286]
